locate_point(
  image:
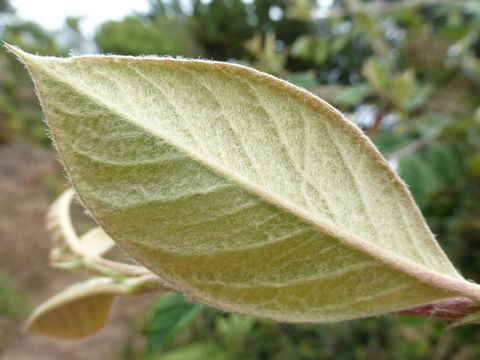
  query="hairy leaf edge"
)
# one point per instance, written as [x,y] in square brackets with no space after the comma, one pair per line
[421,273]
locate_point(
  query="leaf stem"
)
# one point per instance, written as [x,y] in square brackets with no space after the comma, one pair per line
[60,224]
[450,309]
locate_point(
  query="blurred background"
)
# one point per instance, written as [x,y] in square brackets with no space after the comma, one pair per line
[406,72]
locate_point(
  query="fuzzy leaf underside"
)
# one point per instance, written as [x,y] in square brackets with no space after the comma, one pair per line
[79,310]
[240,189]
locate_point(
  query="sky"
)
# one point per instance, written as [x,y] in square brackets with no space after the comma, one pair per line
[51,14]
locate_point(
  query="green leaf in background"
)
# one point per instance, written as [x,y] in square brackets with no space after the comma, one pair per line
[234,330]
[388,143]
[302,47]
[430,169]
[353,95]
[446,161]
[241,189]
[306,79]
[421,177]
[376,75]
[169,317]
[421,93]
[320,51]
[402,87]
[433,125]
[196,351]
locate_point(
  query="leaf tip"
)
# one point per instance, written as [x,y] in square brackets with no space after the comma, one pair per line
[31,325]
[8,46]
[27,326]
[22,55]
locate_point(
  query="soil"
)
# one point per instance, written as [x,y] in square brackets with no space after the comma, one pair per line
[30,178]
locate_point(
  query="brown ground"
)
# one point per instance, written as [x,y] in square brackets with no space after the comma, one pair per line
[30,178]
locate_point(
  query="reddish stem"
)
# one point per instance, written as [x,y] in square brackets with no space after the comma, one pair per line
[378,122]
[451,309]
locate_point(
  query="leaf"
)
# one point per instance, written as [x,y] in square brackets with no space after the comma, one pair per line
[446,161]
[97,241]
[170,316]
[302,47]
[240,189]
[79,310]
[305,79]
[67,245]
[234,330]
[320,51]
[431,169]
[402,87]
[353,95]
[420,176]
[200,351]
[421,94]
[376,75]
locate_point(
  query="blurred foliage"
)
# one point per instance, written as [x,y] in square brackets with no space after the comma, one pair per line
[5,7]
[12,304]
[160,35]
[235,337]
[169,317]
[407,72]
[19,109]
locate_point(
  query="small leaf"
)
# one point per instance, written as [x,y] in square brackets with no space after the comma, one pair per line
[420,176]
[97,241]
[170,316]
[376,75]
[79,310]
[241,189]
[234,330]
[320,51]
[353,95]
[306,79]
[402,87]
[422,93]
[302,47]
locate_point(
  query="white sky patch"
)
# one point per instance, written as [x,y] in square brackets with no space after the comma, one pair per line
[323,9]
[51,14]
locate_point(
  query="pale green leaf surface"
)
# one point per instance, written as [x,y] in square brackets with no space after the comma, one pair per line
[79,310]
[97,241]
[241,189]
